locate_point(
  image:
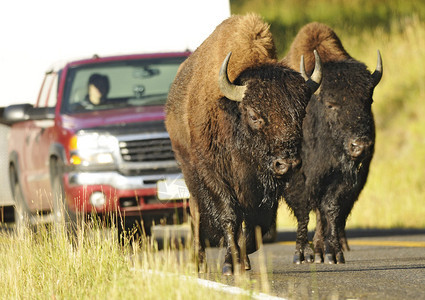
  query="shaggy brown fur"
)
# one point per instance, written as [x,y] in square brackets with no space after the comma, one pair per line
[315,36]
[236,157]
[251,43]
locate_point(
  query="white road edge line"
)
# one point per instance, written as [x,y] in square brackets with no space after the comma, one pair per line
[218,286]
[234,290]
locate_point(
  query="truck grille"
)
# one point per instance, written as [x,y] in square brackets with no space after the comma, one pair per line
[146,150]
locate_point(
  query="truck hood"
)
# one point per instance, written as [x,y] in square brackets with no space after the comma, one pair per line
[117,118]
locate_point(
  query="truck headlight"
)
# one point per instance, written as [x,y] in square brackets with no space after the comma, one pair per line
[93,148]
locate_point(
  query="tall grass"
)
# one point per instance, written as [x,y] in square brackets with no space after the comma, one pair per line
[45,265]
[352,16]
[395,191]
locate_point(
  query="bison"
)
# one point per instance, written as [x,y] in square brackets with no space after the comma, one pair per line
[236,132]
[338,143]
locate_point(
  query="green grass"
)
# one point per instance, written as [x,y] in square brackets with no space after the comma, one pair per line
[395,192]
[395,189]
[44,265]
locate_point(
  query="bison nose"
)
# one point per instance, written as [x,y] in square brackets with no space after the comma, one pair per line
[282,165]
[357,147]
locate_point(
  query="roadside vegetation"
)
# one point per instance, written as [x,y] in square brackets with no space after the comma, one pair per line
[395,190]
[43,264]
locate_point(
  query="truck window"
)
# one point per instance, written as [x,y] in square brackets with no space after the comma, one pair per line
[45,89]
[119,84]
[53,93]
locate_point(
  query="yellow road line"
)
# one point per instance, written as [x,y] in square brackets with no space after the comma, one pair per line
[286,243]
[376,243]
[387,243]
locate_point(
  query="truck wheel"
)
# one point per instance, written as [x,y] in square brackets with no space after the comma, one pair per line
[22,213]
[64,217]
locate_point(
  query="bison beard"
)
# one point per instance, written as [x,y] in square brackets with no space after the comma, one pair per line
[338,144]
[237,143]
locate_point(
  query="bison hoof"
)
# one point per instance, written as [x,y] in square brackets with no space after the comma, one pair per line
[303,258]
[298,259]
[340,258]
[318,258]
[329,258]
[227,269]
[309,258]
[332,259]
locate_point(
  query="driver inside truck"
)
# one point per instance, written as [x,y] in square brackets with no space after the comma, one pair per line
[98,88]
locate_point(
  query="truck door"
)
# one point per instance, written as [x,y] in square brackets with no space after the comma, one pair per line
[38,141]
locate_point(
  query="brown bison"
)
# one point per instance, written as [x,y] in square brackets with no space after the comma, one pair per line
[236,132]
[338,143]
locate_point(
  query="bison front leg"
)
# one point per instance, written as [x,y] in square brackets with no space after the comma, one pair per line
[198,245]
[318,239]
[232,257]
[344,212]
[303,251]
[333,248]
[247,245]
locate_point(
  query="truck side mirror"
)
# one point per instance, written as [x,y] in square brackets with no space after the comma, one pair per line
[41,113]
[22,112]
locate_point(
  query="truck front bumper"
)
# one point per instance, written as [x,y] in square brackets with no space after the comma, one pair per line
[131,195]
[119,181]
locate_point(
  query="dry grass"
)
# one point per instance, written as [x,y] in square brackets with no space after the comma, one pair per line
[43,264]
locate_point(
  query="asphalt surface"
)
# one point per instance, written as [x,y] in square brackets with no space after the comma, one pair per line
[382,264]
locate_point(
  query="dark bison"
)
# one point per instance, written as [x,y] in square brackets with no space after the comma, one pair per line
[338,143]
[236,132]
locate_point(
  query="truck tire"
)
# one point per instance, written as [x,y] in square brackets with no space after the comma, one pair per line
[22,213]
[64,217]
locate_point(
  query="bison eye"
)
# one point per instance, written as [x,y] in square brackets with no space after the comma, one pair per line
[331,105]
[254,119]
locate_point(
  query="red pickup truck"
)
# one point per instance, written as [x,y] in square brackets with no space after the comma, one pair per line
[95,141]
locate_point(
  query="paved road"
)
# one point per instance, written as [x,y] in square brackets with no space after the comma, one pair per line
[382,264]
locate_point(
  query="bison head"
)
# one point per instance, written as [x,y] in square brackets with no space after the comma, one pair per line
[342,106]
[269,103]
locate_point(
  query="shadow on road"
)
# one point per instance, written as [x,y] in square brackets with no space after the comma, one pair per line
[283,236]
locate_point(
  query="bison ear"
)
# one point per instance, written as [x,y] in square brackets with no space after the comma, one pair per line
[376,76]
[230,91]
[314,81]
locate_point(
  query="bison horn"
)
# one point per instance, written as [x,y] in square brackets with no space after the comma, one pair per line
[316,78]
[230,90]
[302,69]
[376,76]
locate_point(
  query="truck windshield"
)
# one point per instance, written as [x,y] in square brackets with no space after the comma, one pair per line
[119,84]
